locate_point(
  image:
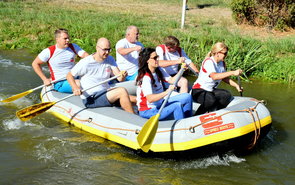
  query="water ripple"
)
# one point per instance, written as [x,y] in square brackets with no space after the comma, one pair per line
[8,63]
[216,160]
[15,124]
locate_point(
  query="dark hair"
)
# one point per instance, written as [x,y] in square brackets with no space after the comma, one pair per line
[143,68]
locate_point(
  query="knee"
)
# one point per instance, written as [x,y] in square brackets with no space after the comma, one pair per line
[183,82]
[187,97]
[178,106]
[122,91]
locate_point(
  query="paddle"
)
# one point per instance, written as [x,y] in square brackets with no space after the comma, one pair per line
[17,96]
[195,73]
[239,82]
[148,132]
[37,109]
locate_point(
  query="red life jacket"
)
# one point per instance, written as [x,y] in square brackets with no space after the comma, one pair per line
[52,49]
[178,49]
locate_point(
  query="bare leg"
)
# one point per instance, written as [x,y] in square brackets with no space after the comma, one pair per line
[183,84]
[122,95]
[133,99]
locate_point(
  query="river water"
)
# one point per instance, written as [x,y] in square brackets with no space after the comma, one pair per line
[46,150]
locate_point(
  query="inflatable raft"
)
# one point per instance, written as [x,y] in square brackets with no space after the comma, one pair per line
[242,123]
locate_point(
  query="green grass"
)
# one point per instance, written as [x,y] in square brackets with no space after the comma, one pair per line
[30,24]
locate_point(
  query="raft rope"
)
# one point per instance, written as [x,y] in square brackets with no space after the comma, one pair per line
[257,127]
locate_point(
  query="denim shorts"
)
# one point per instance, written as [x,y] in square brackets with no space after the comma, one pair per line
[98,99]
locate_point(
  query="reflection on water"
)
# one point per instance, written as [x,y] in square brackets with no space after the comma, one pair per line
[46,150]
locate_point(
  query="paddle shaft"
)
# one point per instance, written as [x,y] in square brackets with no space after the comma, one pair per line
[170,92]
[105,81]
[195,73]
[41,86]
[239,82]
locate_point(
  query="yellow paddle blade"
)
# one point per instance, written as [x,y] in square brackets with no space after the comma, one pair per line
[33,111]
[147,134]
[17,96]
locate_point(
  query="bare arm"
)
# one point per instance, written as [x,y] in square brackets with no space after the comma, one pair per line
[166,63]
[38,69]
[117,71]
[221,76]
[75,88]
[156,97]
[194,67]
[85,54]
[233,84]
[125,51]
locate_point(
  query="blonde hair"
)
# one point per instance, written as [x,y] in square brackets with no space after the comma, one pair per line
[219,46]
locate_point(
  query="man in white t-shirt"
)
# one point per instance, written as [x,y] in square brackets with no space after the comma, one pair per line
[170,56]
[94,69]
[60,59]
[127,52]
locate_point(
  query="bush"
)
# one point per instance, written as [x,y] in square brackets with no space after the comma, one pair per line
[243,11]
[274,14]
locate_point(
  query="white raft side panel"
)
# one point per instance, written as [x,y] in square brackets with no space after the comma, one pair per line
[112,120]
[128,85]
[180,128]
[240,119]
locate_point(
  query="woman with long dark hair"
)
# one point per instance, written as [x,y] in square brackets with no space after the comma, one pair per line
[150,91]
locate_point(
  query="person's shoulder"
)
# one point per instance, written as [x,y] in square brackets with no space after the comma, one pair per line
[74,45]
[147,76]
[45,50]
[160,47]
[87,59]
[121,41]
[44,54]
[139,43]
[110,59]
[208,60]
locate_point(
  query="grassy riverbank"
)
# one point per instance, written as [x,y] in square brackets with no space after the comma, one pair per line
[30,24]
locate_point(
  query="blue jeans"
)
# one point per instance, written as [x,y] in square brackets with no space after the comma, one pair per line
[63,86]
[180,106]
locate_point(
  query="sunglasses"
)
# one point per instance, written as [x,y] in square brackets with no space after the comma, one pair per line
[155,57]
[225,53]
[105,49]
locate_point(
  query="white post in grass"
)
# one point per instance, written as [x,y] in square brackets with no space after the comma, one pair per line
[183,13]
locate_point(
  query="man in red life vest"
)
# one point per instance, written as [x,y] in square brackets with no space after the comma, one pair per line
[60,59]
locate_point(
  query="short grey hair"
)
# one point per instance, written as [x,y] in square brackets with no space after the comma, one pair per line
[130,28]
